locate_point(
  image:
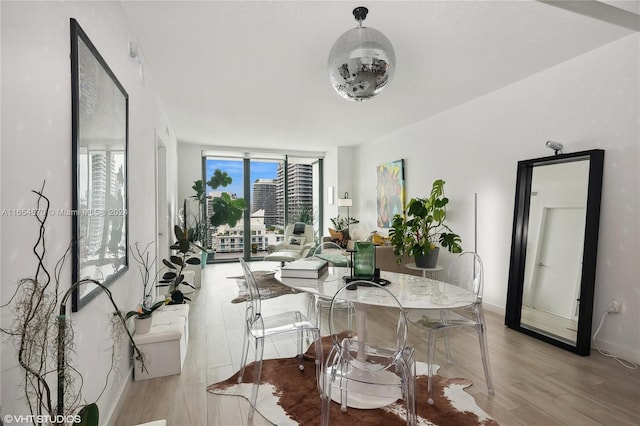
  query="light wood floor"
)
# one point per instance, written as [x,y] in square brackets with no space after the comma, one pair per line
[535,383]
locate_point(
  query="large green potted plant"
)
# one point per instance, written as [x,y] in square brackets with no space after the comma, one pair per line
[176,264]
[417,233]
[197,225]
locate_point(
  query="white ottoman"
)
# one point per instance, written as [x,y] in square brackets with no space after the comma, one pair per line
[164,347]
[166,313]
[282,256]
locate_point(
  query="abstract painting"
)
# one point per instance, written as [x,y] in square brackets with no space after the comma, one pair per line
[390,191]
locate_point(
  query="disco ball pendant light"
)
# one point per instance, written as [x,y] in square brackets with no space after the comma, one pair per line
[361,62]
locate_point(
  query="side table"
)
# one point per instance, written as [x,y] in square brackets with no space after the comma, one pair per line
[433,272]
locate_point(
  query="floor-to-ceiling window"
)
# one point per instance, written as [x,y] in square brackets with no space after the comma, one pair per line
[272,192]
[264,218]
[224,180]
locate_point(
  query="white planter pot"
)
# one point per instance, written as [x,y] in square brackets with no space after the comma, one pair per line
[142,325]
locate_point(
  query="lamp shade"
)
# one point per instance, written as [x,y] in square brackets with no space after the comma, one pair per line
[345,202]
[361,62]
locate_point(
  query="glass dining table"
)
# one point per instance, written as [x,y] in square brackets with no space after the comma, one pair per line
[413,292]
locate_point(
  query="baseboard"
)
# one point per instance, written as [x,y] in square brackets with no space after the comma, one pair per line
[493,308]
[112,417]
[628,354]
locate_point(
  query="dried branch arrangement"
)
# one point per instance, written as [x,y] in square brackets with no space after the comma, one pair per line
[44,341]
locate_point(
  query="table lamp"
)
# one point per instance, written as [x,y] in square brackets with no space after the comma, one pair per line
[346,202]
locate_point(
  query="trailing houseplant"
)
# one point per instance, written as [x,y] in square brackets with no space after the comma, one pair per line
[417,233]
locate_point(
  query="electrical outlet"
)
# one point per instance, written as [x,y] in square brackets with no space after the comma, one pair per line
[615,306]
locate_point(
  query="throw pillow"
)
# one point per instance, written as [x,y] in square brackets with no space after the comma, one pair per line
[298,228]
[295,242]
[378,240]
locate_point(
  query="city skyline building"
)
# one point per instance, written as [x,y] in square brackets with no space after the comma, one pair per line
[264,198]
[299,191]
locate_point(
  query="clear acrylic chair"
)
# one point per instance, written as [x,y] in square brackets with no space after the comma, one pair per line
[336,256]
[368,371]
[465,271]
[259,327]
[332,253]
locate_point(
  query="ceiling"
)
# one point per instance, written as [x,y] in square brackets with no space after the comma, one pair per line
[254,73]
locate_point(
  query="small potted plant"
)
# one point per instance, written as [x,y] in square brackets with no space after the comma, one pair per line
[423,227]
[142,316]
[341,225]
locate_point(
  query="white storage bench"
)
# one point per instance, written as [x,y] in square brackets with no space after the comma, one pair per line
[165,345]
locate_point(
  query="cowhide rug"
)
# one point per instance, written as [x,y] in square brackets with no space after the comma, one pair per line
[268,287]
[288,396]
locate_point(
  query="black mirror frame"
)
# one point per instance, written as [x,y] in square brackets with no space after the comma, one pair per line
[519,245]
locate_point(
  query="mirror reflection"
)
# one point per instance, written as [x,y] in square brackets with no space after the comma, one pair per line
[555,237]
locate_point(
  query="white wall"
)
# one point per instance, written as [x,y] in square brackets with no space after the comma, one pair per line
[36,145]
[189,169]
[331,175]
[1,298]
[591,101]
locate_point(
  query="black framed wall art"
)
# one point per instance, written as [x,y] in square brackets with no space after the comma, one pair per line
[100,110]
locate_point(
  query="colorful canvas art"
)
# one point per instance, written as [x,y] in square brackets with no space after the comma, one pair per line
[390,197]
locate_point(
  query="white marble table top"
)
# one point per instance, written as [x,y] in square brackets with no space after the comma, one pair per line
[412,291]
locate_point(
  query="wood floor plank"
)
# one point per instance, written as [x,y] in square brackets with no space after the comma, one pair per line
[537,395]
[218,352]
[224,410]
[189,406]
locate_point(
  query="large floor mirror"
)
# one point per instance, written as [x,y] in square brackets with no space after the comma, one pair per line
[554,247]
